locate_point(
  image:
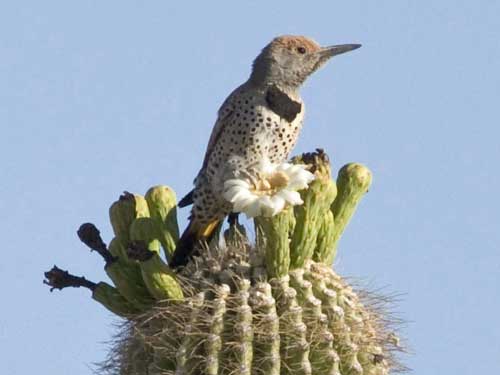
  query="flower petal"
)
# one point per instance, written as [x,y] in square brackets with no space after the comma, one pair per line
[241,205]
[236,182]
[231,193]
[266,167]
[294,169]
[292,197]
[266,206]
[306,175]
[241,196]
[278,204]
[253,209]
[300,180]
[238,191]
[265,200]
[283,167]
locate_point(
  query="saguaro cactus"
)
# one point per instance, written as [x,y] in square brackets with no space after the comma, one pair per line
[275,307]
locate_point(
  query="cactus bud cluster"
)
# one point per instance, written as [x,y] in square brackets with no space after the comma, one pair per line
[147,223]
[272,307]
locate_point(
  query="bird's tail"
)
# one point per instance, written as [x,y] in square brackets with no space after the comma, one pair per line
[193,234]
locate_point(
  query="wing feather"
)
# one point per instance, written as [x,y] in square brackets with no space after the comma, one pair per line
[224,116]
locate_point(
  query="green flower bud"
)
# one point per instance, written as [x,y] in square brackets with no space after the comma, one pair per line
[124,211]
[162,203]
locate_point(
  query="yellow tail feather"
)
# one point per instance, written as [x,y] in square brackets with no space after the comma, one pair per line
[189,239]
[207,231]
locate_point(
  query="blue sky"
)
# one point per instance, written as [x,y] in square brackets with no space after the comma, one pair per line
[101,97]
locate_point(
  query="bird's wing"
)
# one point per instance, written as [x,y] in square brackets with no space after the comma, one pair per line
[224,116]
[187,200]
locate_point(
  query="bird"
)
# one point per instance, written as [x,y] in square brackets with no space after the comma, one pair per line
[260,119]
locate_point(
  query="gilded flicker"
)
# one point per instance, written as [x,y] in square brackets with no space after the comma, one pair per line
[261,119]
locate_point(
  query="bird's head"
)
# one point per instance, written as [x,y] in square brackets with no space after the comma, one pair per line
[288,60]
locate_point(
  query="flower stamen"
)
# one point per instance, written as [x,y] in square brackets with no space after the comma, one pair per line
[278,180]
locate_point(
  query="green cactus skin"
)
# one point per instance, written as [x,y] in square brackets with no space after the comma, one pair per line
[160,280]
[124,211]
[117,249]
[325,242]
[267,331]
[309,216]
[275,307]
[162,203]
[307,322]
[130,283]
[143,229]
[111,299]
[314,319]
[294,348]
[105,294]
[124,274]
[213,344]
[127,277]
[272,235]
[353,182]
[242,330]
[186,353]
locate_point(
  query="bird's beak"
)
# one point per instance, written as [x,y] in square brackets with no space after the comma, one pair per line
[330,51]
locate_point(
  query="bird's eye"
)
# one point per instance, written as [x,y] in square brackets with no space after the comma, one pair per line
[301,50]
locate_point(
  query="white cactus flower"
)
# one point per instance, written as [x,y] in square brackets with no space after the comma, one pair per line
[275,190]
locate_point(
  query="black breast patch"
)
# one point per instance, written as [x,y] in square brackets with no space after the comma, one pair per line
[281,104]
